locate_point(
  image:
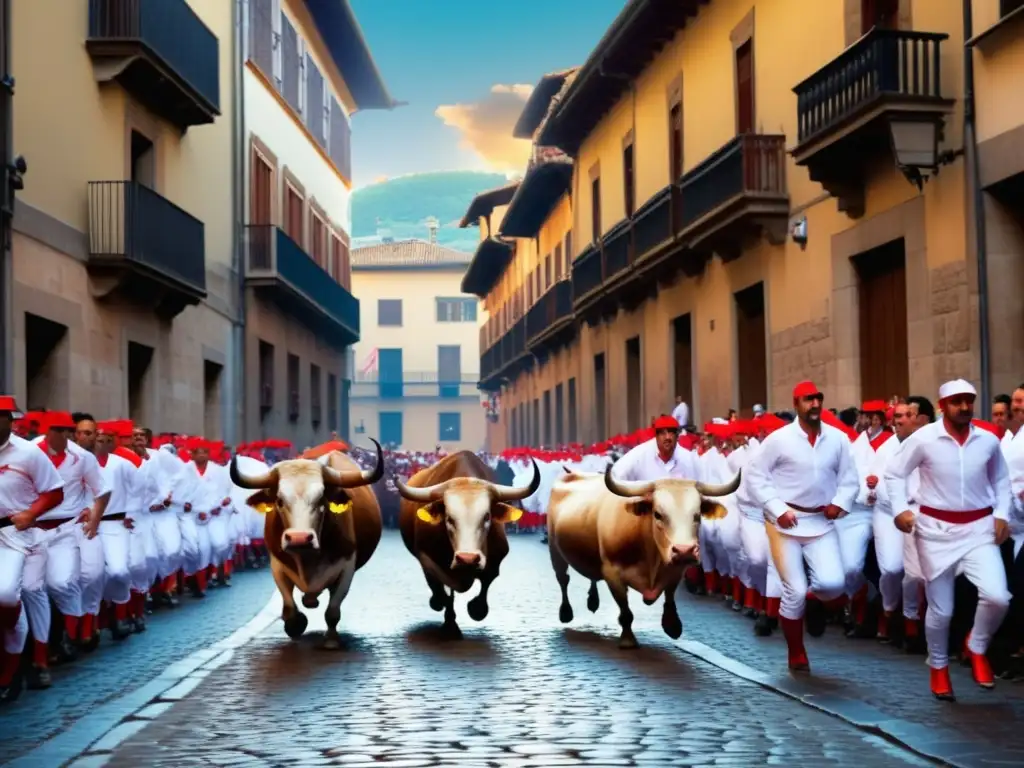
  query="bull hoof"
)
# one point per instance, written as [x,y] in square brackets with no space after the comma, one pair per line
[593,600]
[311,601]
[477,609]
[565,613]
[438,602]
[331,642]
[628,642]
[672,625]
[295,626]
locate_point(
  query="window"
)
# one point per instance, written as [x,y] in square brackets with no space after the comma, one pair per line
[261,36]
[294,206]
[261,197]
[341,140]
[559,264]
[568,253]
[390,429]
[449,427]
[456,310]
[449,370]
[318,240]
[332,401]
[547,271]
[291,64]
[675,132]
[315,102]
[293,387]
[389,312]
[745,88]
[628,182]
[595,210]
[315,405]
[389,364]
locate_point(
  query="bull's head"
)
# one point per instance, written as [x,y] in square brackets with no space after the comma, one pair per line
[302,491]
[468,507]
[676,508]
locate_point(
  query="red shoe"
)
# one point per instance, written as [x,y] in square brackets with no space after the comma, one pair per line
[942,688]
[793,630]
[883,628]
[980,667]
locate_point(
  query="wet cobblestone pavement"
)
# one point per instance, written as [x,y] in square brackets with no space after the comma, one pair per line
[519,690]
[114,668]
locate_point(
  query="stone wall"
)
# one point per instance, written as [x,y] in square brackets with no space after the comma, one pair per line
[804,351]
[954,312]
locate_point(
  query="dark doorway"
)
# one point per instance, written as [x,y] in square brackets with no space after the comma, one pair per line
[143,161]
[47,358]
[745,88]
[535,431]
[599,398]
[559,415]
[682,356]
[883,14]
[751,348]
[211,399]
[547,418]
[572,410]
[634,385]
[140,363]
[266,358]
[882,303]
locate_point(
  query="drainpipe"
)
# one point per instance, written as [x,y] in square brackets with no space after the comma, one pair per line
[7,204]
[237,425]
[981,245]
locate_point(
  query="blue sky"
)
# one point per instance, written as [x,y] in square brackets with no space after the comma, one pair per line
[450,54]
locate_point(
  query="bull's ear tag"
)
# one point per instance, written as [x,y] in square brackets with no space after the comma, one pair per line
[264,508]
[340,509]
[424,514]
[514,513]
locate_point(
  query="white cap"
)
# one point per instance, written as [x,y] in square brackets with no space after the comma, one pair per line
[758,408]
[956,387]
[719,420]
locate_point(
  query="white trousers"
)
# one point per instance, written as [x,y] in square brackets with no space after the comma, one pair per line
[220,541]
[167,533]
[143,555]
[893,582]
[117,579]
[720,545]
[854,532]
[14,639]
[823,559]
[983,567]
[14,548]
[93,570]
[190,555]
[760,569]
[53,569]
[913,578]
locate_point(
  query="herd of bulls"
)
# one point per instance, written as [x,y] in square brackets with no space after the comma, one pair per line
[323,523]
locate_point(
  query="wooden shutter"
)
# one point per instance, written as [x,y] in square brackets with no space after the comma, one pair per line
[290,61]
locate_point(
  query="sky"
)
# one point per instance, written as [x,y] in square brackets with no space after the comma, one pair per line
[466,69]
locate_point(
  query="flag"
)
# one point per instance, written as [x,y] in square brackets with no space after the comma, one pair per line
[370,363]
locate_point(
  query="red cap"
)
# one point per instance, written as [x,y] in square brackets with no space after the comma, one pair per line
[874,406]
[58,420]
[806,389]
[665,422]
[7,403]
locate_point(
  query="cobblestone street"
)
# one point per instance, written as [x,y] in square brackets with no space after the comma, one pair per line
[518,690]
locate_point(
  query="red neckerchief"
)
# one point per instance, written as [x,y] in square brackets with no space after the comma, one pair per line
[56,458]
[880,439]
[201,470]
[102,460]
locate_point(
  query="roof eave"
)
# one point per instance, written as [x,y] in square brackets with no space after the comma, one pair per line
[520,220]
[479,280]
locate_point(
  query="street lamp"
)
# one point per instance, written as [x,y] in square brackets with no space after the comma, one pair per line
[915,146]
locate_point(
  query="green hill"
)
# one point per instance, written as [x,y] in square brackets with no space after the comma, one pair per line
[403,205]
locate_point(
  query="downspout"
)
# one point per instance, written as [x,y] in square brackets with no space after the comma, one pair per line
[981,247]
[7,204]
[237,425]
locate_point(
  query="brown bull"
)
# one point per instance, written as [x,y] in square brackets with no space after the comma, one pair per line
[452,520]
[638,535]
[322,525]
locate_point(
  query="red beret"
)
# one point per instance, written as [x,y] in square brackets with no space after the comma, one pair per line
[806,389]
[665,422]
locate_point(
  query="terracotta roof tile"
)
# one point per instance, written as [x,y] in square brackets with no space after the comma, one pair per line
[408,253]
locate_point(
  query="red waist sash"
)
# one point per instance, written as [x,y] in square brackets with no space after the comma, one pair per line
[963,517]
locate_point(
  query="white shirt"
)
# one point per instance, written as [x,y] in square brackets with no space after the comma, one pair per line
[681,413]
[212,487]
[1013,453]
[740,460]
[83,481]
[119,475]
[954,477]
[789,470]
[25,473]
[644,463]
[884,456]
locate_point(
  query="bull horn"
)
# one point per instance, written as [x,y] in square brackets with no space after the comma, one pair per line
[720,490]
[420,495]
[252,482]
[511,493]
[353,478]
[627,488]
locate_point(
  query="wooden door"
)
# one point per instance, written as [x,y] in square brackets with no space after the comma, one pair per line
[751,348]
[882,294]
[745,88]
[683,360]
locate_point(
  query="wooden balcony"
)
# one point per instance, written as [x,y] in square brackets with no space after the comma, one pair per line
[604,278]
[279,268]
[843,109]
[161,53]
[144,249]
[551,323]
[504,360]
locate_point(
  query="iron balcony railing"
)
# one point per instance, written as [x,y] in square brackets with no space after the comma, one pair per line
[555,305]
[587,272]
[171,30]
[132,222]
[885,62]
[270,252]
[749,164]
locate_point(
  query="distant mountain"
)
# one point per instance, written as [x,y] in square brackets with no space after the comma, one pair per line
[403,205]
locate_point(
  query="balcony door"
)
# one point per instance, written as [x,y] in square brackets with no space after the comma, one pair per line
[261,209]
[745,88]
[449,370]
[390,428]
[884,345]
[883,14]
[389,364]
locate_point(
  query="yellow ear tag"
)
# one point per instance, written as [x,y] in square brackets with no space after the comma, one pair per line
[265,508]
[514,513]
[424,514]
[340,509]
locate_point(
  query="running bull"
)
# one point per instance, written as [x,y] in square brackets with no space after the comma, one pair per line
[452,520]
[323,524]
[638,535]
